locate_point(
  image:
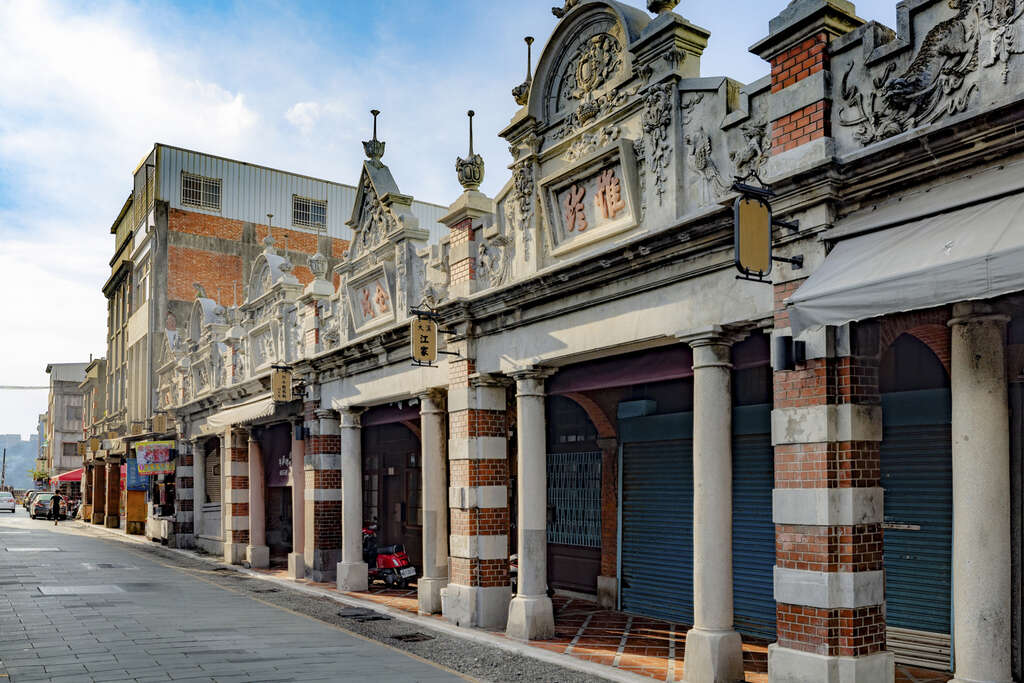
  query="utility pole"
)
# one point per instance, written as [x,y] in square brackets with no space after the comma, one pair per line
[3,472]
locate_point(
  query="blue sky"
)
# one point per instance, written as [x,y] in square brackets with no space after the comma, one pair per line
[86,88]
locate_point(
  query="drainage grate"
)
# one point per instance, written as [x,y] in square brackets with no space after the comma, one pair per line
[264,590]
[362,615]
[412,637]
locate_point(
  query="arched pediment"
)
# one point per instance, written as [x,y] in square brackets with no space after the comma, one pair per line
[586,57]
[268,269]
[204,312]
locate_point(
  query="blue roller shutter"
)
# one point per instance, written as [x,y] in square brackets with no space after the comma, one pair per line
[656,543]
[917,475]
[753,532]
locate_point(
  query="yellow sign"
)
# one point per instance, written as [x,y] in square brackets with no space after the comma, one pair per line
[94,445]
[752,236]
[281,384]
[159,423]
[423,340]
[81,449]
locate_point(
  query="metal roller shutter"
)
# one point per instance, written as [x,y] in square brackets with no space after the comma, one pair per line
[212,476]
[656,561]
[917,475]
[753,532]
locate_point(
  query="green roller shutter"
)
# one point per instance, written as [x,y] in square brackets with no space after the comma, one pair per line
[656,561]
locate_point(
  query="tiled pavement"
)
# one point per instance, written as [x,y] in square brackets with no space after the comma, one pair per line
[76,609]
[640,645]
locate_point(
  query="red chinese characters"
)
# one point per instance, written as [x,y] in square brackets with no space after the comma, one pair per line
[608,200]
[575,218]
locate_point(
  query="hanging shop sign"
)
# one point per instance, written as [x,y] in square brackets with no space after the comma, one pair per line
[154,457]
[160,423]
[94,445]
[133,480]
[423,338]
[281,383]
[81,449]
[752,234]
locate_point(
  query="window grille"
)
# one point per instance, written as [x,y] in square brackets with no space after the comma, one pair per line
[574,498]
[309,213]
[199,191]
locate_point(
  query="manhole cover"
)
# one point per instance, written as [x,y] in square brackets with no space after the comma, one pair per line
[33,550]
[362,615]
[412,637]
[79,590]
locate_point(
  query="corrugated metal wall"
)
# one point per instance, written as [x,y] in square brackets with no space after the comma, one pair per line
[250,192]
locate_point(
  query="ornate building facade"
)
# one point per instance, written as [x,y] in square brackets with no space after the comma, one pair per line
[829,453]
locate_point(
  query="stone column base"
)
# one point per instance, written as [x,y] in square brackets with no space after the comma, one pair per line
[98,518]
[135,528]
[234,553]
[607,592]
[296,566]
[113,522]
[429,594]
[352,576]
[258,556]
[531,618]
[476,606]
[323,565]
[793,666]
[713,657]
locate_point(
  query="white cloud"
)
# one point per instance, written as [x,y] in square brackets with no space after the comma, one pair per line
[303,115]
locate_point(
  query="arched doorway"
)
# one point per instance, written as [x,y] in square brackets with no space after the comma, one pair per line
[917,475]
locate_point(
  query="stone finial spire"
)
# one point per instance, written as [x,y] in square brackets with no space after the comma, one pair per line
[522,91]
[470,169]
[661,6]
[318,266]
[374,148]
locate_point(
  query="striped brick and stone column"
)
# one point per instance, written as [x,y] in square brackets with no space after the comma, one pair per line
[257,553]
[827,509]
[296,558]
[435,502]
[352,570]
[322,547]
[236,495]
[184,499]
[87,477]
[99,492]
[112,520]
[478,590]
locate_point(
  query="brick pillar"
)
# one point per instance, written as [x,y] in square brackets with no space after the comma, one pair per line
[113,504]
[608,582]
[323,494]
[87,476]
[797,49]
[235,497]
[99,492]
[184,499]
[462,267]
[827,509]
[478,590]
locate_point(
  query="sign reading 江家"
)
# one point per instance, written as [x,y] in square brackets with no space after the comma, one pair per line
[154,457]
[423,339]
[133,480]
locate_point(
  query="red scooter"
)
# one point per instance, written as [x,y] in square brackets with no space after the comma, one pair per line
[388,563]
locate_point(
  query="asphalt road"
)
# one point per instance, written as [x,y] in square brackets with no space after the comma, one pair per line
[74,607]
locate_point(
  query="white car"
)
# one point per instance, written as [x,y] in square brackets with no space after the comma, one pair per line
[7,501]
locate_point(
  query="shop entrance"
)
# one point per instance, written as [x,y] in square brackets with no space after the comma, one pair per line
[275,445]
[392,480]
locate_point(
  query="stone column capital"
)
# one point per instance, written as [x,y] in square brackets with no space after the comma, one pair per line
[351,417]
[325,414]
[530,381]
[968,312]
[432,401]
[482,379]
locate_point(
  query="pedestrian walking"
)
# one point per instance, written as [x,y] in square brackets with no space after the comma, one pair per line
[55,508]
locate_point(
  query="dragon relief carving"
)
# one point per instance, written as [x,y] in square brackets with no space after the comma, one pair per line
[656,117]
[519,203]
[942,77]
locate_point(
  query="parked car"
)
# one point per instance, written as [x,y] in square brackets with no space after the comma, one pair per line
[41,505]
[7,501]
[28,498]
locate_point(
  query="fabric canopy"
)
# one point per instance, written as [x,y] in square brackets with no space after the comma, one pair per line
[73,475]
[975,252]
[242,413]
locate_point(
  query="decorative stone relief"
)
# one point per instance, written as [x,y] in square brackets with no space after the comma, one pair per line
[565,8]
[656,118]
[703,164]
[943,75]
[588,142]
[494,260]
[639,150]
[519,203]
[757,143]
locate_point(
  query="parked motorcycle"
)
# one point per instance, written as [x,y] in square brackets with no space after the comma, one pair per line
[388,563]
[513,574]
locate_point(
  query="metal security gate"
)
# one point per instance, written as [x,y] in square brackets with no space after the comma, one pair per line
[917,475]
[574,520]
[656,527]
[753,532]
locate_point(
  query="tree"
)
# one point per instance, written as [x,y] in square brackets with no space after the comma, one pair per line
[38,475]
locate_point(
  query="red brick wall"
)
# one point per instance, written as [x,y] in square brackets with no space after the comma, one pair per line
[788,68]
[238,452]
[832,632]
[464,269]
[800,127]
[800,61]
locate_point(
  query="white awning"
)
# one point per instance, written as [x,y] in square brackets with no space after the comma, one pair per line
[975,252]
[241,413]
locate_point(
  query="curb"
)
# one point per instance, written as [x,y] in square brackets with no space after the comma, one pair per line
[425,622]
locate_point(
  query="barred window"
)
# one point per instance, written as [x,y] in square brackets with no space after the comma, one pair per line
[309,213]
[199,191]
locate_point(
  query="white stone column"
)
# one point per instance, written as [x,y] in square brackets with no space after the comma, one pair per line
[297,557]
[713,648]
[530,614]
[435,503]
[351,569]
[981,495]
[198,486]
[257,554]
